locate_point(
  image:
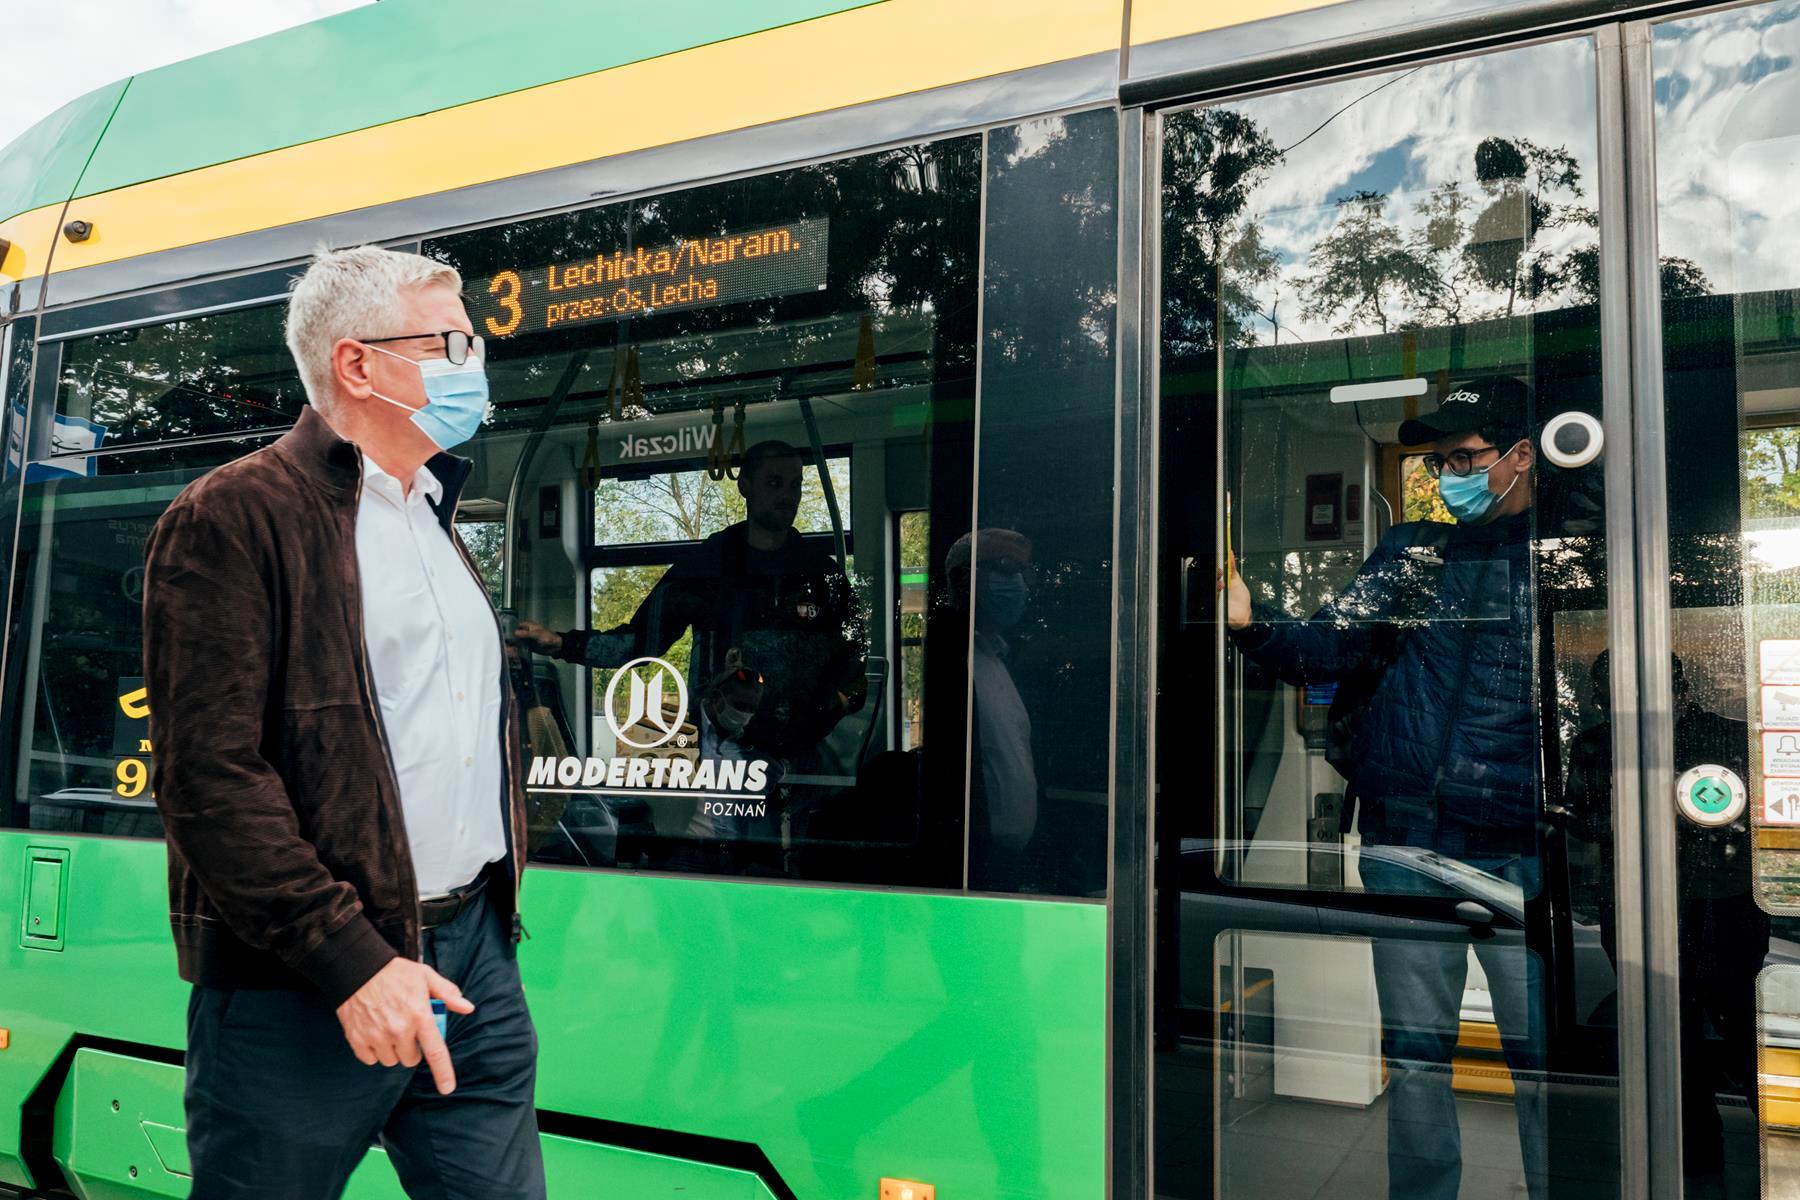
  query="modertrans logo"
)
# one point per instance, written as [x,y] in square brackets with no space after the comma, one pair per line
[658,750]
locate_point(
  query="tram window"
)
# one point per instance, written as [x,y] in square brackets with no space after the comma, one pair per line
[689,506]
[223,373]
[486,539]
[914,540]
[75,678]
[722,384]
[1041,557]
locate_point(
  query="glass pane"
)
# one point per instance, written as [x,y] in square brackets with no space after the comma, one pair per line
[689,506]
[1728,169]
[915,537]
[205,375]
[713,375]
[84,756]
[1384,828]
[1043,541]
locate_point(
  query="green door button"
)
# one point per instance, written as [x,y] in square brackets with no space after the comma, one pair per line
[1710,795]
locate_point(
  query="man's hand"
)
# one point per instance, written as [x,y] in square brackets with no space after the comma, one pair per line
[1237,594]
[530,633]
[389,1021]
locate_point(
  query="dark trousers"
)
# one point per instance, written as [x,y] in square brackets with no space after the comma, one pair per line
[1419,984]
[278,1108]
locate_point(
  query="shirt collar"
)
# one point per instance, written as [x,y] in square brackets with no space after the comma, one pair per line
[424,483]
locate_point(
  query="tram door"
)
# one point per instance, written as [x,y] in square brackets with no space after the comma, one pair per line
[1385,929]
[1727,145]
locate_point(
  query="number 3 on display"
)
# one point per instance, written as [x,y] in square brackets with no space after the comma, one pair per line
[130,777]
[506,287]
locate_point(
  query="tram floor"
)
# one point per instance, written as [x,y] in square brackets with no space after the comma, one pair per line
[1273,1148]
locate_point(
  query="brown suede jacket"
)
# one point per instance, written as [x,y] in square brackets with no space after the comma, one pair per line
[288,859]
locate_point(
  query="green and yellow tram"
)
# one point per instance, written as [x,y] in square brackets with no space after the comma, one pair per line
[1073,904]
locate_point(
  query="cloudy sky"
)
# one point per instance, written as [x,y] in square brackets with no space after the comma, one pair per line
[58,49]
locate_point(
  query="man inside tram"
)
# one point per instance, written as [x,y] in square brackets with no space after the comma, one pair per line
[1435,635]
[759,588]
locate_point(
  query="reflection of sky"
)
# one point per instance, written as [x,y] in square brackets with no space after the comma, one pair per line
[1408,137]
[1774,549]
[1727,92]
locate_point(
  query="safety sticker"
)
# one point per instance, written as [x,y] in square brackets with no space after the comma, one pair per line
[1781,754]
[1780,707]
[1781,802]
[1780,660]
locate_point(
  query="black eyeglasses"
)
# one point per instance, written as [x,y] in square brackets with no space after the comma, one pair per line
[1457,462]
[457,344]
[744,675]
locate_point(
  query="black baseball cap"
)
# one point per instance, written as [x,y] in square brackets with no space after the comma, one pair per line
[1471,405]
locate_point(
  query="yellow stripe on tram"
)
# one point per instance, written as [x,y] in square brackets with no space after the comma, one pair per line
[849,58]
[30,236]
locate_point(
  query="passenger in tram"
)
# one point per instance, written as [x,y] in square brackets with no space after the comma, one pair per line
[1723,933]
[1436,633]
[1003,774]
[759,587]
[693,838]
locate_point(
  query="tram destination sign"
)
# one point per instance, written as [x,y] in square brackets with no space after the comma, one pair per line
[617,282]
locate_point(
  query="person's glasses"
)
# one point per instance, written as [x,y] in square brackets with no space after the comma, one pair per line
[1457,462]
[457,344]
[742,675]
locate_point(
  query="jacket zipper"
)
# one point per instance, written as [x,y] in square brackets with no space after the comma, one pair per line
[387,752]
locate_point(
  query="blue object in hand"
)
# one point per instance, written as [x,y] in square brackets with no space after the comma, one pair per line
[440,1015]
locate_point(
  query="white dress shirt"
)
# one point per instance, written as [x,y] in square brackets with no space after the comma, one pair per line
[1007,766]
[435,654]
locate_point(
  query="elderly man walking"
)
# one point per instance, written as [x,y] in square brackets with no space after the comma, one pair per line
[337,766]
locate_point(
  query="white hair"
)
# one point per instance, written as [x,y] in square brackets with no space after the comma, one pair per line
[352,293]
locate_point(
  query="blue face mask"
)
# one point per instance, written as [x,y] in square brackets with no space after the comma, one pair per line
[1001,602]
[456,398]
[1467,496]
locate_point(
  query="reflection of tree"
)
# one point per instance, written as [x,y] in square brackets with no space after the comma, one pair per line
[486,542]
[1516,233]
[1421,500]
[1438,244]
[1361,263]
[203,375]
[1772,472]
[1214,159]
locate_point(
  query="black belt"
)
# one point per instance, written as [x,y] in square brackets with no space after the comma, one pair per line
[441,910]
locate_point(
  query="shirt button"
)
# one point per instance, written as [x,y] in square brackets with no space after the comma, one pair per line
[459,695]
[468,762]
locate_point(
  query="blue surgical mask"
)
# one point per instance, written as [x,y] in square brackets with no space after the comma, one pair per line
[731,719]
[1467,496]
[1001,601]
[456,398]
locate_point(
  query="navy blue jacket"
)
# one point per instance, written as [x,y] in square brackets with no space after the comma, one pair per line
[1446,752]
